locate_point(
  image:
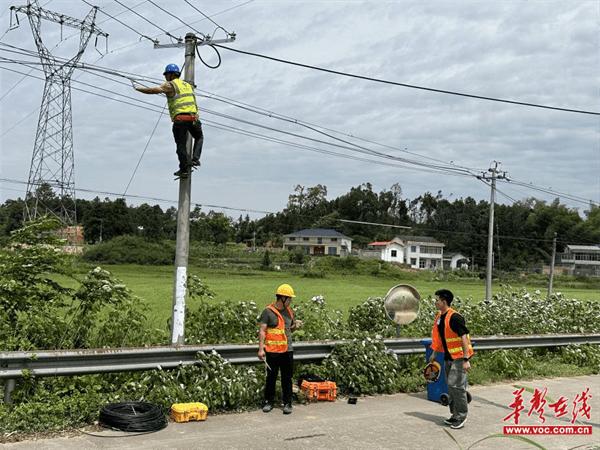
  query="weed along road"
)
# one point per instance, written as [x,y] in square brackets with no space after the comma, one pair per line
[400,421]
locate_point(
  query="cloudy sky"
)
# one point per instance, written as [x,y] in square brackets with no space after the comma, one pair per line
[544,52]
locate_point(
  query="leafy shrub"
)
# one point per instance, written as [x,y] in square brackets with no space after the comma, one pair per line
[213,381]
[363,367]
[131,250]
[370,317]
[266,261]
[297,256]
[319,322]
[208,322]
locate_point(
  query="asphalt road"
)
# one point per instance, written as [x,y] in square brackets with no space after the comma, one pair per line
[402,421]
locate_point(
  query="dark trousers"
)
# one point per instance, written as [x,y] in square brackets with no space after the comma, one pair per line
[180,133]
[285,363]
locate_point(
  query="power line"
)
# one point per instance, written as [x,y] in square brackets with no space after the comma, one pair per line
[142,197]
[412,86]
[206,205]
[552,192]
[121,22]
[421,166]
[269,113]
[131,75]
[178,39]
[183,26]
[174,16]
[452,168]
[144,151]
[206,17]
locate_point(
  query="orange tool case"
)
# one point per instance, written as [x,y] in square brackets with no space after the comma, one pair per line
[319,390]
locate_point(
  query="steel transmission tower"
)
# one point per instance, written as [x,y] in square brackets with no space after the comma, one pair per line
[52,162]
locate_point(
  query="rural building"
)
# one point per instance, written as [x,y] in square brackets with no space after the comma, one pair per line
[582,259]
[318,242]
[390,251]
[454,261]
[419,252]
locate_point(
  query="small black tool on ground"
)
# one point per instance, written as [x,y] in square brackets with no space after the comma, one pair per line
[352,400]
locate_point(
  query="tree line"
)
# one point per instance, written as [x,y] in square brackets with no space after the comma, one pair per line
[523,230]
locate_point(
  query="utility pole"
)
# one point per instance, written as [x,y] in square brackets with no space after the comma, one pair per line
[550,281]
[495,175]
[253,241]
[182,246]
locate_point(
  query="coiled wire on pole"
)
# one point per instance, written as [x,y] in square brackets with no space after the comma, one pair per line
[133,416]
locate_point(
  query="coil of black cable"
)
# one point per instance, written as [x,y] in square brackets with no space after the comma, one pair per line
[133,416]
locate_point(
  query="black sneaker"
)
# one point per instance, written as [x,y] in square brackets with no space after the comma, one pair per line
[287,408]
[195,163]
[450,421]
[458,424]
[181,173]
[268,407]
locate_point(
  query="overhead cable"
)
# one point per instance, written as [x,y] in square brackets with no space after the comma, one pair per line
[118,20]
[185,26]
[142,197]
[174,16]
[356,148]
[412,86]
[178,39]
[208,18]
[275,115]
[157,109]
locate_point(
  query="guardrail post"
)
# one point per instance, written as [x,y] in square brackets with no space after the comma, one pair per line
[9,386]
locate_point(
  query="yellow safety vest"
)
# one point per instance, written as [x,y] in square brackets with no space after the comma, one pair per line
[184,101]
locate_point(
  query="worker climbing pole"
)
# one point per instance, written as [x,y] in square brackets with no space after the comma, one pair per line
[183,110]
[184,115]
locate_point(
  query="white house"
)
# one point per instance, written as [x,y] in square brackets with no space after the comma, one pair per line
[582,259]
[390,251]
[454,261]
[423,252]
[420,252]
[318,242]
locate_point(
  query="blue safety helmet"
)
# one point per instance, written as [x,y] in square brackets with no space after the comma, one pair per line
[172,68]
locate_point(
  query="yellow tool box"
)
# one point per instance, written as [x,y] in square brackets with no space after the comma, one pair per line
[184,412]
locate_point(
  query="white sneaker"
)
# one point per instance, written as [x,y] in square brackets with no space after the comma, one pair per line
[458,424]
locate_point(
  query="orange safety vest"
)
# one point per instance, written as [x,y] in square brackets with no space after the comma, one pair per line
[453,340]
[276,340]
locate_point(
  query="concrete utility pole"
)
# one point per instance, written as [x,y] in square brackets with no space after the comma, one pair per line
[182,247]
[495,175]
[550,281]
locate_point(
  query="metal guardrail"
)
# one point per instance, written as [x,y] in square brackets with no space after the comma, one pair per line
[93,361]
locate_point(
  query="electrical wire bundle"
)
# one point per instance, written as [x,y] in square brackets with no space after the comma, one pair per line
[133,416]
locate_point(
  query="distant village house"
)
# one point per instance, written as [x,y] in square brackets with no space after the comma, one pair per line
[419,252]
[318,242]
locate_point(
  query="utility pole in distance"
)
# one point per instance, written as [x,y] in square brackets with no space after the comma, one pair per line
[495,175]
[552,267]
[182,246]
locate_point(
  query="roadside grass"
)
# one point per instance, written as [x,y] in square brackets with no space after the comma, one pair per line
[154,284]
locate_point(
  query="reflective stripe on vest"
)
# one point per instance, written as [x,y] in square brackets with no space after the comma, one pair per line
[453,340]
[184,100]
[276,339]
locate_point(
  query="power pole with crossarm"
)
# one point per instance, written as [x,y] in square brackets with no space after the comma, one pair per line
[185,188]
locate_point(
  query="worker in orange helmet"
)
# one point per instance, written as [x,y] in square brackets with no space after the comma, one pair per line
[275,346]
